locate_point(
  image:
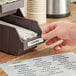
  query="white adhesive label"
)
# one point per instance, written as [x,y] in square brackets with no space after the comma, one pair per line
[34,42]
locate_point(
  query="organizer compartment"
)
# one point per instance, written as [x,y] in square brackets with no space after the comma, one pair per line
[10,41]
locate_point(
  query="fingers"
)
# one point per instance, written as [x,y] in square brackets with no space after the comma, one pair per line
[52,26]
[48,29]
[60,46]
[48,36]
[51,41]
[49,32]
[59,43]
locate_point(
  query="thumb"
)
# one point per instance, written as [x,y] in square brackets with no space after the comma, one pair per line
[50,35]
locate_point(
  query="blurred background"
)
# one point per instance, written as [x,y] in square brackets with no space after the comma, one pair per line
[24,9]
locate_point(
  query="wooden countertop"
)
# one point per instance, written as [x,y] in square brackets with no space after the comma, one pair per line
[42,49]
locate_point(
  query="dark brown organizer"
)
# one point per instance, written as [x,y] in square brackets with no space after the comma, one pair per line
[10,42]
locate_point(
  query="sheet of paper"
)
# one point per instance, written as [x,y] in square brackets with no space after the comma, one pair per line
[54,65]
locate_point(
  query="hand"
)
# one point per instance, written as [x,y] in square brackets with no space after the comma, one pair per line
[60,30]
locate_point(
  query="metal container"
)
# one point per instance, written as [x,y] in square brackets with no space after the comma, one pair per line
[58,8]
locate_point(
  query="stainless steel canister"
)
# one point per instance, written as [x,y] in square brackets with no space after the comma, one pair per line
[58,8]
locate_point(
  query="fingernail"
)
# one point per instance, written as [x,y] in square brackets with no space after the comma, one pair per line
[58,48]
[43,36]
